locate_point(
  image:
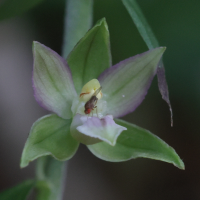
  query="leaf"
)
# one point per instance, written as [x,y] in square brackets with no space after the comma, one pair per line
[136,142]
[91,56]
[11,8]
[50,178]
[151,41]
[43,190]
[52,81]
[141,23]
[49,135]
[18,192]
[76,25]
[125,84]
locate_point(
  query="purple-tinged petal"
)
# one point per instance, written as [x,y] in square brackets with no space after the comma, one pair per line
[104,129]
[125,84]
[163,88]
[80,136]
[52,81]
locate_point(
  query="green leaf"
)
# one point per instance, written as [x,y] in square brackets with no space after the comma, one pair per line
[91,56]
[18,192]
[49,135]
[136,142]
[50,178]
[76,25]
[11,8]
[43,190]
[151,41]
[141,23]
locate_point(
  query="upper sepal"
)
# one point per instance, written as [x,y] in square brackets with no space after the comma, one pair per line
[91,56]
[52,81]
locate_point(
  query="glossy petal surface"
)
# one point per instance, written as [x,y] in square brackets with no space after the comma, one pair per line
[125,84]
[136,142]
[52,81]
[49,135]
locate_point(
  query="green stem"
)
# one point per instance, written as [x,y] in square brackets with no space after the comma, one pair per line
[50,172]
[78,21]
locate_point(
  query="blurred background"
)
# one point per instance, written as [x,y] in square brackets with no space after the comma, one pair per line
[176,25]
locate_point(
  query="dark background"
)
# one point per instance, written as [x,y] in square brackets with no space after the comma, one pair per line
[176,25]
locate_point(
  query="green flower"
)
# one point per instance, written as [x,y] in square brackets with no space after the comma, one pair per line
[64,87]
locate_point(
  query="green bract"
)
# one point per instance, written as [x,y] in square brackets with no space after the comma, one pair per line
[124,86]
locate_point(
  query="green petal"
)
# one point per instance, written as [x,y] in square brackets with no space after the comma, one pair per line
[52,81]
[49,135]
[125,84]
[91,56]
[18,192]
[136,142]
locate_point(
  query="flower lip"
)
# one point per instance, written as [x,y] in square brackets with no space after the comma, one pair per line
[91,130]
[104,129]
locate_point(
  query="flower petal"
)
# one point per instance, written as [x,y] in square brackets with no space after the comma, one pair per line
[78,135]
[125,85]
[104,129]
[136,142]
[52,81]
[49,135]
[91,56]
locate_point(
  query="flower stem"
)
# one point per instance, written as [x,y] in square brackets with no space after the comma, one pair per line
[78,20]
[50,172]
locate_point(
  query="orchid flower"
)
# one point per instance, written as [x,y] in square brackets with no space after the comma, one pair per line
[65,86]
